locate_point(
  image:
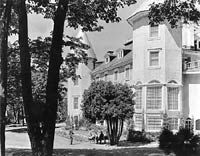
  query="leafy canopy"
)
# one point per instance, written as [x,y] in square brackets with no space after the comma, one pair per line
[84,13]
[174,11]
[103,100]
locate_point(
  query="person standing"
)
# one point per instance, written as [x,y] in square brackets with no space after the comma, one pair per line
[71,135]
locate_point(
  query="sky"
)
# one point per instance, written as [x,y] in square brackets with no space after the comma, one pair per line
[111,37]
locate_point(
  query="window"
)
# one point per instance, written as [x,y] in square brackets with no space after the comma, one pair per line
[154,58]
[154,123]
[107,59]
[197,124]
[75,102]
[172,98]
[173,123]
[153,31]
[115,75]
[154,97]
[188,123]
[138,98]
[138,122]
[127,73]
[75,81]
[106,77]
[120,54]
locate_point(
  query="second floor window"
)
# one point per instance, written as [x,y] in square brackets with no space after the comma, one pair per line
[75,102]
[154,58]
[154,97]
[153,31]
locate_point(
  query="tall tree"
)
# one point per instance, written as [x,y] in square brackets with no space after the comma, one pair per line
[85,13]
[110,102]
[5,13]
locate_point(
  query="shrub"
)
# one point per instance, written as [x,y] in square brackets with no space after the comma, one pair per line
[186,140]
[137,136]
[166,139]
[182,143]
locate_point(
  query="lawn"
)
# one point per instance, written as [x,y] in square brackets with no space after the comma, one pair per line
[85,152]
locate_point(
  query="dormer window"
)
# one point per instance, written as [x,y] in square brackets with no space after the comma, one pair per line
[107,60]
[120,54]
[153,31]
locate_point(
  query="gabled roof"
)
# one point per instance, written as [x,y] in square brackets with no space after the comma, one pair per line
[84,38]
[115,63]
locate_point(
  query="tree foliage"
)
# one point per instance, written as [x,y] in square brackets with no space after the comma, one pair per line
[111,102]
[174,11]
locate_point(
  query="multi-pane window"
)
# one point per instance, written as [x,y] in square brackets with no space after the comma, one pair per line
[75,102]
[138,122]
[138,98]
[172,96]
[154,30]
[154,97]
[115,75]
[173,123]
[154,123]
[120,55]
[154,58]
[188,123]
[127,73]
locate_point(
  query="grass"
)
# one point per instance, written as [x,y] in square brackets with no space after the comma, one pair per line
[85,152]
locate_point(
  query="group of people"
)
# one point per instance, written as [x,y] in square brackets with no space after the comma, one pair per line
[94,136]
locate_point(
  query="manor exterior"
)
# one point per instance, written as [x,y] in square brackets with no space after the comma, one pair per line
[161,64]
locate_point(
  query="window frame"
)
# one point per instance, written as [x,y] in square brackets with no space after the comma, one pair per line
[172,123]
[153,126]
[157,58]
[116,75]
[152,30]
[127,68]
[173,107]
[139,88]
[75,104]
[152,100]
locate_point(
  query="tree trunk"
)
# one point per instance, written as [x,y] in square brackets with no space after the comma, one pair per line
[53,78]
[33,126]
[3,77]
[114,128]
[41,134]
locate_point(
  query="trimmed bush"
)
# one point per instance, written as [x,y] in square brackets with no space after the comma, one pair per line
[166,139]
[137,136]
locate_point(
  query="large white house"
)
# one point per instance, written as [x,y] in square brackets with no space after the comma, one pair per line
[160,63]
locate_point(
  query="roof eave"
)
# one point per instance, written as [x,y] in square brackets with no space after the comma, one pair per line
[137,16]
